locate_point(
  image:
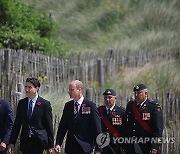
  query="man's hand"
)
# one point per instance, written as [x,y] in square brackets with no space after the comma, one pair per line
[153,151]
[2,146]
[49,151]
[57,149]
[10,148]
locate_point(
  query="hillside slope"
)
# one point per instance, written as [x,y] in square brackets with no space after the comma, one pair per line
[125,25]
[121,24]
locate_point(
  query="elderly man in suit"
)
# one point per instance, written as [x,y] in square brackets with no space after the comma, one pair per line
[81,121]
[6,124]
[34,115]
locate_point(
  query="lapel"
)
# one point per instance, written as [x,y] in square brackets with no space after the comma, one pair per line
[84,104]
[105,111]
[80,110]
[26,107]
[143,107]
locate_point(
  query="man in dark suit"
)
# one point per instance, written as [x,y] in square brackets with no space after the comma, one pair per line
[144,123]
[81,121]
[34,115]
[6,124]
[112,120]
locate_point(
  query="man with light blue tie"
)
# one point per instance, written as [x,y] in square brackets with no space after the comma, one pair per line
[34,115]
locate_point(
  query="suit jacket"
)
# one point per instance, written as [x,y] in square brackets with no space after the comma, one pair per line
[151,113]
[6,121]
[40,123]
[84,128]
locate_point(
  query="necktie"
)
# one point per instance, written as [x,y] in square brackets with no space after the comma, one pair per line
[30,133]
[76,107]
[108,111]
[30,109]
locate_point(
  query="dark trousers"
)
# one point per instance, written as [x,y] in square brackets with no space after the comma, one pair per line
[111,149]
[137,148]
[76,148]
[33,146]
[3,152]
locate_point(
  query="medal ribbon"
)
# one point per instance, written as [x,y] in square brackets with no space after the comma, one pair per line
[110,127]
[139,119]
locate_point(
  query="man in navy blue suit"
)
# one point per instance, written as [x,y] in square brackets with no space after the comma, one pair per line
[81,121]
[6,124]
[34,119]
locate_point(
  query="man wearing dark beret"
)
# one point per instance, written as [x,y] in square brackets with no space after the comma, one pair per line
[112,121]
[144,123]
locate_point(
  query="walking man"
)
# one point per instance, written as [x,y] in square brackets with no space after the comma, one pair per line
[6,124]
[34,119]
[112,120]
[144,123]
[81,121]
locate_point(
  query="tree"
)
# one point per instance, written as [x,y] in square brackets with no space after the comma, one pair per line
[22,27]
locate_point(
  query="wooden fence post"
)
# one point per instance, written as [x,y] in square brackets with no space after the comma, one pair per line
[20,87]
[100,72]
[89,93]
[17,95]
[7,66]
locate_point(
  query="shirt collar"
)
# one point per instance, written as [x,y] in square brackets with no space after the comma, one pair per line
[79,100]
[141,104]
[111,108]
[33,99]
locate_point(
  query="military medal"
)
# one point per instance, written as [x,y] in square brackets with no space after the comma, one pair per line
[117,121]
[146,116]
[86,110]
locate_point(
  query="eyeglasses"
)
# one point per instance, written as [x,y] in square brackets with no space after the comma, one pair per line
[71,89]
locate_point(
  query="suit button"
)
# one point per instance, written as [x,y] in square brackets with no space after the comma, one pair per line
[134,124]
[134,130]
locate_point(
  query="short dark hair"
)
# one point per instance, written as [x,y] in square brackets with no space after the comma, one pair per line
[34,81]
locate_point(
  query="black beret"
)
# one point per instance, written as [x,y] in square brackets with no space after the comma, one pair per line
[110,92]
[139,87]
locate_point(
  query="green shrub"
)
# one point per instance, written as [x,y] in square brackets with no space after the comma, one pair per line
[22,27]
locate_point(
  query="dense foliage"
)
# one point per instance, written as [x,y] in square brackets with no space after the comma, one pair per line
[22,27]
